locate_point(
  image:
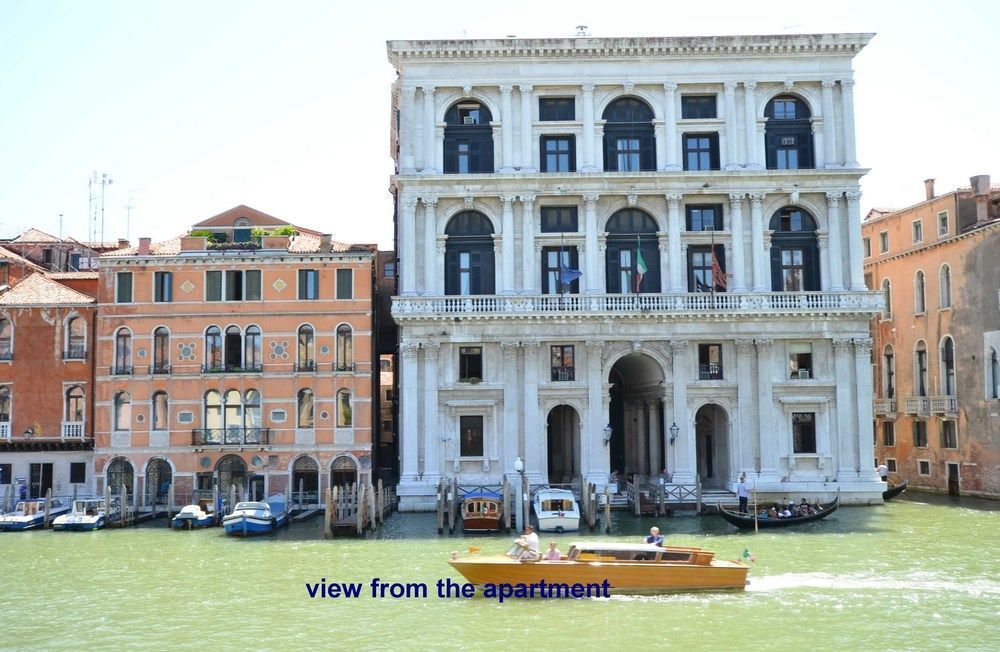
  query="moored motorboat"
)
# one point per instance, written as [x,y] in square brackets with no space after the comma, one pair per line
[746,521]
[253,517]
[482,511]
[889,494]
[194,516]
[88,514]
[627,567]
[556,510]
[29,514]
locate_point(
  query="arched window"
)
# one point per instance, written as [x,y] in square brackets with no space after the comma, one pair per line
[123,412]
[306,360]
[305,480]
[242,230]
[5,405]
[887,294]
[252,417]
[305,408]
[213,349]
[159,414]
[632,257]
[345,348]
[76,338]
[123,351]
[920,368]
[161,350]
[948,367]
[252,359]
[469,261]
[468,138]
[794,251]
[75,405]
[994,375]
[944,280]
[159,477]
[629,144]
[343,471]
[344,415]
[889,371]
[919,303]
[233,416]
[232,473]
[120,473]
[788,134]
[213,417]
[6,340]
[234,349]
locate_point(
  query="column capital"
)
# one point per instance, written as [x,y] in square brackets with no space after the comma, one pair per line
[408,203]
[744,347]
[764,345]
[729,87]
[506,88]
[595,348]
[587,87]
[662,243]
[842,345]
[428,91]
[847,84]
[827,84]
[507,200]
[530,348]
[407,92]
[678,347]
[409,349]
[509,349]
[863,346]
[442,245]
[670,87]
[822,241]
[429,200]
[853,195]
[750,86]
[735,198]
[673,199]
[591,199]
[528,199]
[756,198]
[833,198]
[525,88]
[431,350]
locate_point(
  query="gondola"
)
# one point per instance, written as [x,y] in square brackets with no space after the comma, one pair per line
[747,522]
[889,494]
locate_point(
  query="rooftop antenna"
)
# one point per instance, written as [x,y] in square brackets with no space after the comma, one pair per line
[128,213]
[581,30]
[106,181]
[60,225]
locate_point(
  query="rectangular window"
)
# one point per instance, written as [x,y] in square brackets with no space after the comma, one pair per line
[890,463]
[700,277]
[556,108]
[942,223]
[5,471]
[389,270]
[251,285]
[308,284]
[867,245]
[123,287]
[627,151]
[213,286]
[471,444]
[345,284]
[470,363]
[883,242]
[232,285]
[792,269]
[559,219]
[163,287]
[888,433]
[800,360]
[804,432]
[701,151]
[709,362]
[463,156]
[698,107]
[389,395]
[553,281]
[558,154]
[563,367]
[704,217]
[786,152]
[386,425]
[949,435]
[920,434]
[918,232]
[923,467]
[77,472]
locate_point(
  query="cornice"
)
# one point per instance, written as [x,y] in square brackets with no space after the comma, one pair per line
[916,251]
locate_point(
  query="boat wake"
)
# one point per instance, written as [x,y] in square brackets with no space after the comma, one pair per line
[979,589]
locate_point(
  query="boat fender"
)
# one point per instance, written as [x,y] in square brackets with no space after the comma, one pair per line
[274,523]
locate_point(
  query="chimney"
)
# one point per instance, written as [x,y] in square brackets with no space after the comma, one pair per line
[981,193]
[325,245]
[144,246]
[123,243]
[929,188]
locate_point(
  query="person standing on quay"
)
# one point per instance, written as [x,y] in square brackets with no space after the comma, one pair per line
[883,473]
[743,493]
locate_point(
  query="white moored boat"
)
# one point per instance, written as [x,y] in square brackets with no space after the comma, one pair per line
[556,510]
[30,514]
[257,518]
[192,516]
[91,514]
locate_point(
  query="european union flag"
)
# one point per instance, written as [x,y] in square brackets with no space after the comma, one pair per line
[567,274]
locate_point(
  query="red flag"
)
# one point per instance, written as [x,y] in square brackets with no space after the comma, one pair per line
[718,276]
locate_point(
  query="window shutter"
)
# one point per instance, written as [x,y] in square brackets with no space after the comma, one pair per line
[810,259]
[572,153]
[613,269]
[451,284]
[647,152]
[450,155]
[776,269]
[486,153]
[713,144]
[610,153]
[488,270]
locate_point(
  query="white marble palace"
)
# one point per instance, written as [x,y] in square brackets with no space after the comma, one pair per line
[631,255]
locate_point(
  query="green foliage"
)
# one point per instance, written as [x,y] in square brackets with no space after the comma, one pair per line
[203,233]
[287,230]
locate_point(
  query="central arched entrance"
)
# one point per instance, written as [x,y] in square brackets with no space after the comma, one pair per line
[711,428]
[232,472]
[343,471]
[563,445]
[158,478]
[636,416]
[305,480]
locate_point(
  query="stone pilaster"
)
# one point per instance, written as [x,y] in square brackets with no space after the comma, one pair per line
[408,244]
[768,444]
[674,240]
[589,159]
[750,124]
[685,451]
[507,235]
[432,272]
[430,420]
[847,428]
[529,264]
[758,254]
[857,274]
[738,245]
[847,104]
[507,126]
[732,131]
[526,135]
[430,128]
[592,276]
[835,235]
[829,126]
[405,134]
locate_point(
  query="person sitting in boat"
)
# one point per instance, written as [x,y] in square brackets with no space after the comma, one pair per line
[553,553]
[787,513]
[773,512]
[655,537]
[763,513]
[530,538]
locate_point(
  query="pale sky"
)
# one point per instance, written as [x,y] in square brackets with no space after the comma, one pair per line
[196,107]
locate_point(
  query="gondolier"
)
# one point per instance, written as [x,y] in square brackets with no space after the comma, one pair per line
[883,472]
[743,493]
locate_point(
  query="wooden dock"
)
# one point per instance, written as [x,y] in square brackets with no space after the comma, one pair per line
[351,509]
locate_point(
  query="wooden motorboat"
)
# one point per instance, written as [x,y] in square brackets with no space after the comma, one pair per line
[628,568]
[556,510]
[253,517]
[746,521]
[482,511]
[30,514]
[889,494]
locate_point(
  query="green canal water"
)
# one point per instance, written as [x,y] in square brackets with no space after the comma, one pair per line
[918,573]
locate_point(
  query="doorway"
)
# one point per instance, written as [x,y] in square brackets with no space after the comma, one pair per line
[563,445]
[711,427]
[954,482]
[41,480]
[635,415]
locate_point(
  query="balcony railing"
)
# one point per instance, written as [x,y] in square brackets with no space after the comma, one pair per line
[73,430]
[6,355]
[75,353]
[230,436]
[159,368]
[690,303]
[121,370]
[710,371]
[343,367]
[944,404]
[884,406]
[917,405]
[232,368]
[563,373]
[5,430]
[308,365]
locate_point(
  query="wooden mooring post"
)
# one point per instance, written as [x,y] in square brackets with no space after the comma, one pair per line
[170,503]
[452,505]
[505,494]
[441,498]
[123,502]
[301,491]
[607,510]
[48,507]
[327,513]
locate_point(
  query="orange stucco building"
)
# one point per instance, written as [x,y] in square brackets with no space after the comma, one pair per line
[234,358]
[936,370]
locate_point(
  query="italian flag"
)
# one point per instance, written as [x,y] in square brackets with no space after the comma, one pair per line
[640,266]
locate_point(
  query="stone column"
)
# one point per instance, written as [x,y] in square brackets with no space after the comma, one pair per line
[834,232]
[655,435]
[528,270]
[750,128]
[863,408]
[758,254]
[526,135]
[732,131]
[508,243]
[511,425]
[589,162]
[431,427]
[409,425]
[847,101]
[430,125]
[442,247]
[507,122]
[429,253]
[738,247]
[663,244]
[674,241]
[534,433]
[856,255]
[829,125]
[642,436]
[594,458]
[769,467]
[405,133]
[672,162]
[747,449]
[408,244]
[591,278]
[685,451]
[824,260]
[847,424]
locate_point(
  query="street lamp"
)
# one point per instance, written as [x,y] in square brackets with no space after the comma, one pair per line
[519,465]
[607,434]
[673,433]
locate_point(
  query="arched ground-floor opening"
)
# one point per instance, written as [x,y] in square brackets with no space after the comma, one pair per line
[231,472]
[305,480]
[159,476]
[711,427]
[343,471]
[635,415]
[121,473]
[563,445]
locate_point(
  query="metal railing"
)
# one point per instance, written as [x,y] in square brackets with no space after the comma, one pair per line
[563,373]
[232,368]
[944,404]
[309,365]
[230,436]
[159,368]
[121,370]
[75,353]
[917,405]
[343,367]
[711,371]
[73,430]
[4,429]
[882,406]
